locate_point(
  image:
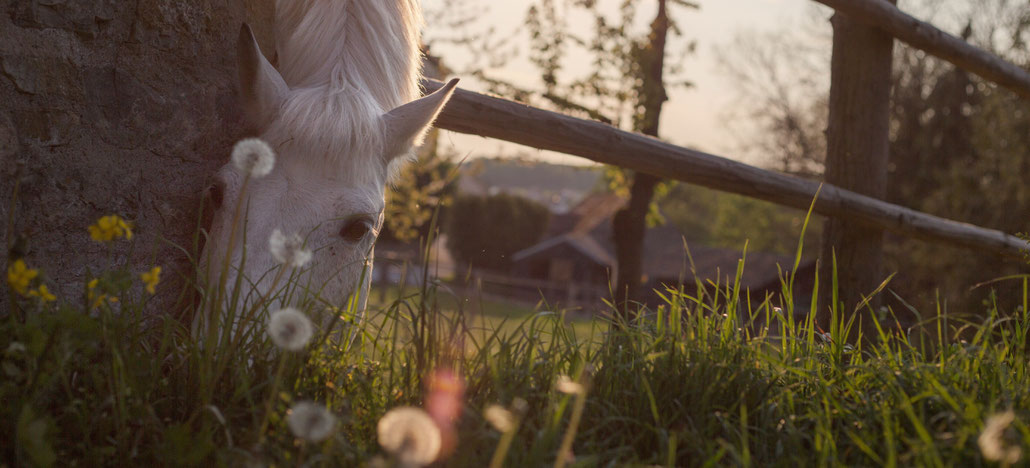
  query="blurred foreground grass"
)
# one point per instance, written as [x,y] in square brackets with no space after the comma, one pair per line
[702,380]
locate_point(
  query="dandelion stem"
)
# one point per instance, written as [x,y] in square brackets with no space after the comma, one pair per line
[565,451]
[224,276]
[257,305]
[271,398]
[497,461]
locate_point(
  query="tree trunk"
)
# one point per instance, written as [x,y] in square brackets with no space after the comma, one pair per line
[857,149]
[630,223]
[114,107]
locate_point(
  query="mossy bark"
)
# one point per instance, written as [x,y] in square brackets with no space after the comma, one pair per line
[111,106]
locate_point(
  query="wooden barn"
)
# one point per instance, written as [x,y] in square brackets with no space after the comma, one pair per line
[575,264]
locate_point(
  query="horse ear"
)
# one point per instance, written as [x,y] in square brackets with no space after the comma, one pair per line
[262,88]
[407,125]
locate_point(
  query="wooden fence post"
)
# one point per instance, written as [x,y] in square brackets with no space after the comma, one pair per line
[856,160]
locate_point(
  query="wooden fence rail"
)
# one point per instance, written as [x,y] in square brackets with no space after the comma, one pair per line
[926,37]
[493,117]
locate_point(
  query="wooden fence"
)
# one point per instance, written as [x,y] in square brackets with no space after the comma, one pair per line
[498,118]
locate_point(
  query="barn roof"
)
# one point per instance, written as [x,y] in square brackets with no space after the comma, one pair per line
[582,243]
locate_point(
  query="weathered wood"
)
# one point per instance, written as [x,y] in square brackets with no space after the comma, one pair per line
[925,36]
[493,117]
[857,145]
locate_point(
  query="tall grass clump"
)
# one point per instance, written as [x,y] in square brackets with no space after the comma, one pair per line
[706,378]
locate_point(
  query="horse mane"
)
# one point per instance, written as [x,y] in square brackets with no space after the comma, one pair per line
[368,45]
[347,62]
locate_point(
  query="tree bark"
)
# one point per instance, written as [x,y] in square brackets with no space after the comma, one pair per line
[630,223]
[114,107]
[856,160]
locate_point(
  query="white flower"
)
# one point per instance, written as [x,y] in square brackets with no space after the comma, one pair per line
[997,441]
[566,385]
[411,435]
[289,250]
[253,156]
[290,329]
[500,418]
[310,421]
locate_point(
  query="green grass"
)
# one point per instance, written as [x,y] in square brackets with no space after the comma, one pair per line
[484,315]
[694,382]
[682,386]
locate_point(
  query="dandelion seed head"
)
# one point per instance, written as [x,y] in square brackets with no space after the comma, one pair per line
[567,385]
[290,329]
[254,157]
[998,442]
[500,418]
[310,421]
[289,249]
[409,434]
[520,406]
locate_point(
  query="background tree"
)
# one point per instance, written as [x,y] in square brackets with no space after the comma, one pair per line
[709,217]
[484,231]
[626,86]
[780,80]
[420,193]
[958,145]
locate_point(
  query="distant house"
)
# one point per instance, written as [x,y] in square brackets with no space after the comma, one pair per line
[579,255]
[576,253]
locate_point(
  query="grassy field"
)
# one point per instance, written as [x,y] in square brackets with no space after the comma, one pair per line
[484,316]
[93,381]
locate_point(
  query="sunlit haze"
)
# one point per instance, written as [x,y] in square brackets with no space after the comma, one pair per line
[693,117]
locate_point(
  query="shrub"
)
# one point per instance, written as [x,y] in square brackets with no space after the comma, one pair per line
[484,231]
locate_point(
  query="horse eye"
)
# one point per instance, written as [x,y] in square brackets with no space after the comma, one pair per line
[356,229]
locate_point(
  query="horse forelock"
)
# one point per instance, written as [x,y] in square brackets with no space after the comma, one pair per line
[336,133]
[347,63]
[371,45]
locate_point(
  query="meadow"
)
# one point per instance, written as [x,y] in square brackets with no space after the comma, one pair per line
[702,380]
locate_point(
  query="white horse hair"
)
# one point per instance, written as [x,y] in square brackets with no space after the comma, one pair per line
[340,111]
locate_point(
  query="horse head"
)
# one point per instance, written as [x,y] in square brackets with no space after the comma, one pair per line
[336,147]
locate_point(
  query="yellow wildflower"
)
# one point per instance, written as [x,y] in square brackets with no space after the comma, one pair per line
[93,298]
[110,228]
[19,276]
[103,297]
[151,278]
[43,293]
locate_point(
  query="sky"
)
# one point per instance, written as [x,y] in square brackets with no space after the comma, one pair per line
[693,117]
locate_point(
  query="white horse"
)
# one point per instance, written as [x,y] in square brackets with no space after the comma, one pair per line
[340,112]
